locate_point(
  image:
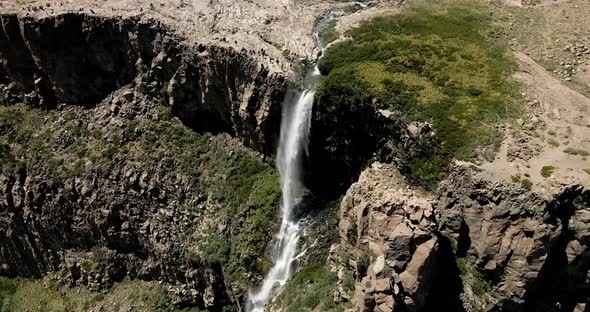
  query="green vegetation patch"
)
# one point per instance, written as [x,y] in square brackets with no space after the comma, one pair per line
[547,171]
[526,183]
[573,151]
[472,278]
[586,170]
[311,289]
[553,142]
[329,33]
[439,64]
[34,295]
[216,170]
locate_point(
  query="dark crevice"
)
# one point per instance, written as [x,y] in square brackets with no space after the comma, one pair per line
[464,241]
[447,285]
[560,285]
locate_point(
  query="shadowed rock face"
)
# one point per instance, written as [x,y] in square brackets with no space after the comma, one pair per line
[475,245]
[532,251]
[121,219]
[346,137]
[79,59]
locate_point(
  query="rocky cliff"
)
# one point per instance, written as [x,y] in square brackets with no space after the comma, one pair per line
[530,250]
[473,245]
[79,59]
[101,178]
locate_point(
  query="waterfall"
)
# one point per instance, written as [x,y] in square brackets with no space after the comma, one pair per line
[295,126]
[293,142]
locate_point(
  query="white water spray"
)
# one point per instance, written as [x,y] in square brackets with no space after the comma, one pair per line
[292,147]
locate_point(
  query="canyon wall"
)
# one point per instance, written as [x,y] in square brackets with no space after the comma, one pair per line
[79,59]
[105,183]
[473,245]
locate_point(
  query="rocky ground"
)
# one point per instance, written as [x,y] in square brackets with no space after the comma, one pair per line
[549,40]
[271,30]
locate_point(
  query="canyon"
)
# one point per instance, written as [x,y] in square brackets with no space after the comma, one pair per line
[139,144]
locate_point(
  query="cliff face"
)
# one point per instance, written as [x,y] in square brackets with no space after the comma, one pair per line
[474,245]
[532,251]
[79,59]
[390,244]
[121,190]
[106,182]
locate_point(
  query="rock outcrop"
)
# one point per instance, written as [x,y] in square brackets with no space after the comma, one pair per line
[79,59]
[474,246]
[531,250]
[389,242]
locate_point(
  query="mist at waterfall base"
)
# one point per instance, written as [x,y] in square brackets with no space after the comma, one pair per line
[293,142]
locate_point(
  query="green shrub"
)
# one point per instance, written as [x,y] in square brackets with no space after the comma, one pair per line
[463,266]
[433,64]
[546,171]
[214,249]
[329,33]
[553,142]
[109,151]
[471,277]
[348,282]
[311,289]
[571,151]
[428,169]
[480,285]
[130,130]
[586,170]
[454,244]
[526,183]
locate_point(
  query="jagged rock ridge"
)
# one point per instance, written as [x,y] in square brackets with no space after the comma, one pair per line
[473,246]
[79,59]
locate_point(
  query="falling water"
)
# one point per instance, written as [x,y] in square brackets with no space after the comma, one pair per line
[292,148]
[295,126]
